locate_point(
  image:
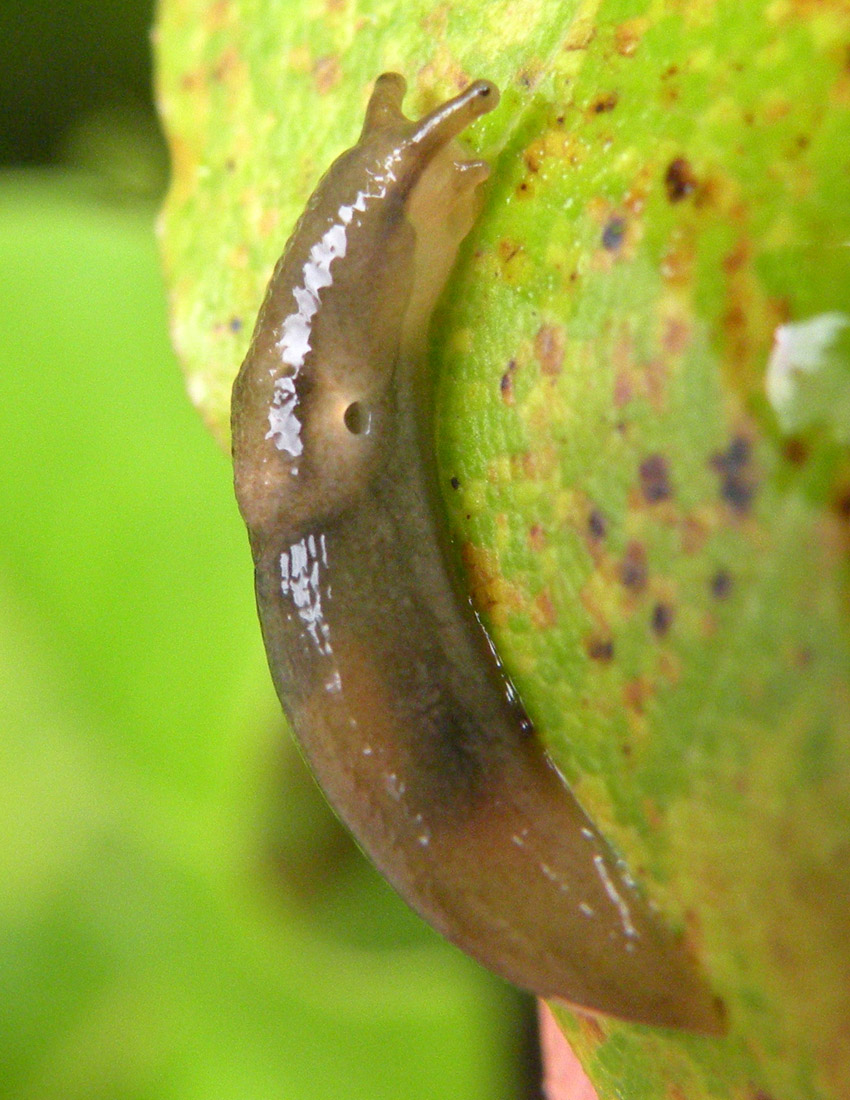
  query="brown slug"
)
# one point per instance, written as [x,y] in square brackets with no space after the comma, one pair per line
[384,670]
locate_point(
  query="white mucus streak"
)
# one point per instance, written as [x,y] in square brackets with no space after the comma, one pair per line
[300,581]
[394,786]
[294,343]
[554,878]
[614,895]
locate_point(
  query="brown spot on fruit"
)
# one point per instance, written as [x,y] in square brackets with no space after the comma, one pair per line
[191,80]
[218,15]
[677,264]
[842,505]
[226,66]
[801,657]
[636,376]
[544,614]
[580,35]
[536,464]
[627,35]
[721,584]
[708,626]
[837,532]
[600,649]
[669,668]
[623,389]
[597,525]
[506,383]
[513,261]
[676,336]
[490,591]
[737,479]
[655,479]
[795,451]
[536,537]
[633,568]
[592,600]
[655,383]
[531,156]
[635,694]
[679,180]
[695,532]
[662,618]
[604,103]
[738,258]
[549,348]
[613,233]
[327,74]
[590,1028]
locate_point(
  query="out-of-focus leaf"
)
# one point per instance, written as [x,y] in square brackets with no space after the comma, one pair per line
[149,947]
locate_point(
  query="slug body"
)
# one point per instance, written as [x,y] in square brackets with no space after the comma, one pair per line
[386,675]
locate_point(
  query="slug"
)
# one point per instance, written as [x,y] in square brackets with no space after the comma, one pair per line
[385,672]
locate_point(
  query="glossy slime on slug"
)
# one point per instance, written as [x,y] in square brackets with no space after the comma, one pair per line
[385,672]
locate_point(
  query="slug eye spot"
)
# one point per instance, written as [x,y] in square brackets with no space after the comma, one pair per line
[357,419]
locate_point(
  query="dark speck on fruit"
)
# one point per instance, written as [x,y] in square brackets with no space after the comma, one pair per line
[506,383]
[633,570]
[721,584]
[597,524]
[655,478]
[613,233]
[737,480]
[796,451]
[662,618]
[604,103]
[679,180]
[600,649]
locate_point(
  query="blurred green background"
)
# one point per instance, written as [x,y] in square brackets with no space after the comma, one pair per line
[180,916]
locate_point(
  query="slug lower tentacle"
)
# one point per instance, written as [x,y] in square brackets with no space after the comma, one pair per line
[384,670]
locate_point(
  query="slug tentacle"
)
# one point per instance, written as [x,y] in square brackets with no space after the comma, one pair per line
[452,117]
[387,677]
[385,103]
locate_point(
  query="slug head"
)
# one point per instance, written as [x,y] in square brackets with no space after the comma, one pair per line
[314,405]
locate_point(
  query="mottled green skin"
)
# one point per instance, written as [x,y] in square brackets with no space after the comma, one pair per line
[606,317]
[384,670]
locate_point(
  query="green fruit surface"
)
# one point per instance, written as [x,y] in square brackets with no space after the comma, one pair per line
[657,537]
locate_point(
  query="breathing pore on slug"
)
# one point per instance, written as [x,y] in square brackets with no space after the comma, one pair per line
[384,670]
